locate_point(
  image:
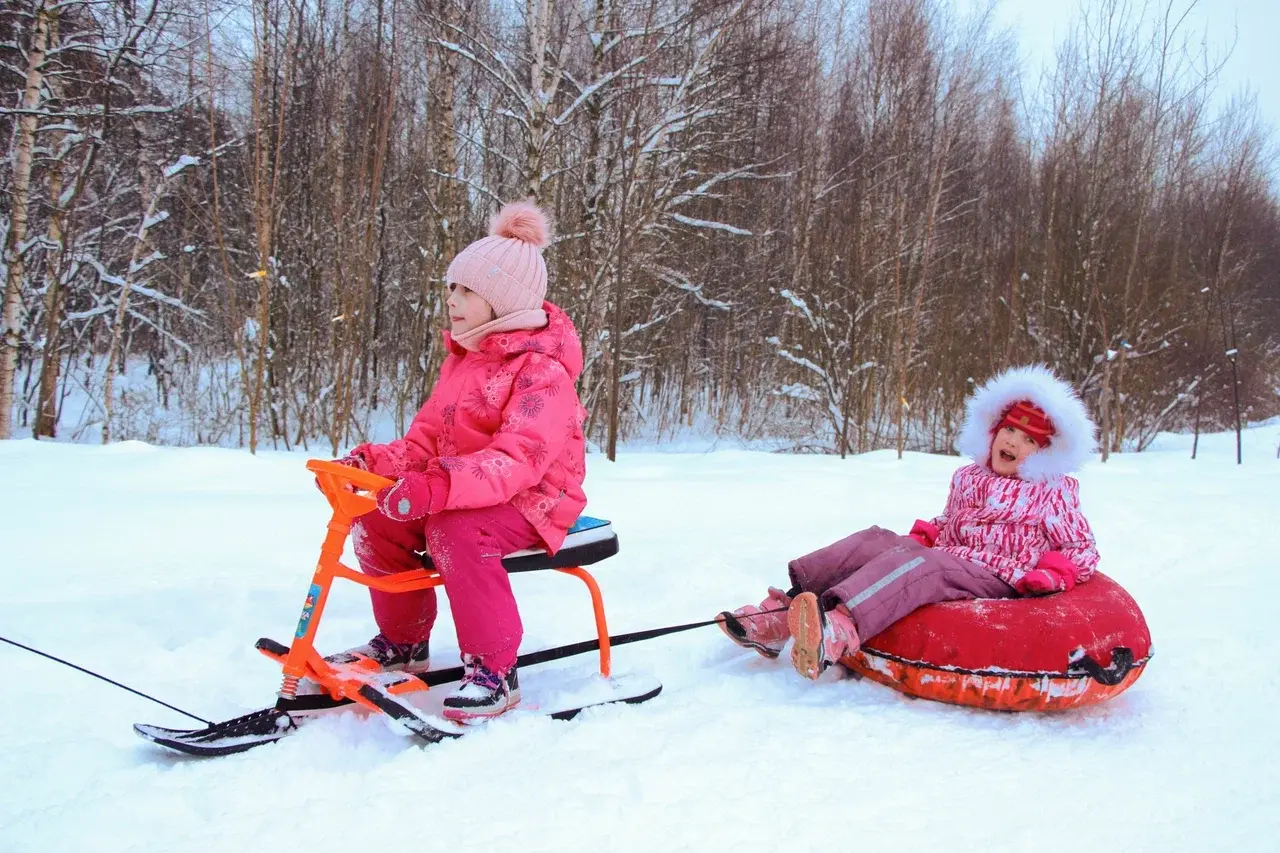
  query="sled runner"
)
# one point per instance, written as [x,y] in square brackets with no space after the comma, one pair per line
[408,698]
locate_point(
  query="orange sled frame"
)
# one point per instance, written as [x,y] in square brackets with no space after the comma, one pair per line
[350,494]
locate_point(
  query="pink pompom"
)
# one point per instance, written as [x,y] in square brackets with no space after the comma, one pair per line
[522,221]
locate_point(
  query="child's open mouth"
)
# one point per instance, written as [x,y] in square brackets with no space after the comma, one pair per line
[1006,456]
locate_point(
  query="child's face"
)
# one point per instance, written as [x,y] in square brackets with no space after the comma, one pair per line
[467,309]
[1010,446]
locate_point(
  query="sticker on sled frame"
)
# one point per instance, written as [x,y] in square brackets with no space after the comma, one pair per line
[308,608]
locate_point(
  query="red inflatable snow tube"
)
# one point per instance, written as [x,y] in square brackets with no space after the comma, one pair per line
[1069,650]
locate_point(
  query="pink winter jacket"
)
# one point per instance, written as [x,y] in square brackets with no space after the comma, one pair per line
[505,423]
[1012,526]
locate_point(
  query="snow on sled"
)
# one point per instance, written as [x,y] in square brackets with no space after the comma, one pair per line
[1069,650]
[409,699]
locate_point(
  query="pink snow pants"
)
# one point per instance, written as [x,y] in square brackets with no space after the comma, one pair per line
[467,547]
[881,577]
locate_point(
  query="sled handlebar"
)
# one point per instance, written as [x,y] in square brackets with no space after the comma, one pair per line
[339,483]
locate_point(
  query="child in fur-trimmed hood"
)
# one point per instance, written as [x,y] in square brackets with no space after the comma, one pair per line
[1012,526]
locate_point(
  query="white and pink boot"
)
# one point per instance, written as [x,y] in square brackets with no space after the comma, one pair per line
[482,693]
[821,637]
[762,627]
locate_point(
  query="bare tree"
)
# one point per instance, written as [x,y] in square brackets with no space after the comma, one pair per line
[43,20]
[818,222]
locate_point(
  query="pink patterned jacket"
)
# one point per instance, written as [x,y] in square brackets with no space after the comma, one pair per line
[505,424]
[1012,525]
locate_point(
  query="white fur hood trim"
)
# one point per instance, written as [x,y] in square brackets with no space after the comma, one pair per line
[1073,441]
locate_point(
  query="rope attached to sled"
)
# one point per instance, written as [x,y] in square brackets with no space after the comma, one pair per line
[436,677]
[619,640]
[439,676]
[108,680]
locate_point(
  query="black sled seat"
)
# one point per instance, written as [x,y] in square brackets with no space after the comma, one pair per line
[589,541]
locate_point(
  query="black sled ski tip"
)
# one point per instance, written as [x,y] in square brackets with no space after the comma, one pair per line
[226,738]
[199,750]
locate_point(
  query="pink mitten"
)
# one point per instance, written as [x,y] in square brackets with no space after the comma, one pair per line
[354,459]
[414,495]
[924,533]
[1039,582]
[1053,573]
[359,457]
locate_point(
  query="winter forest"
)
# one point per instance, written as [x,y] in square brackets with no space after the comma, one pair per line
[816,222]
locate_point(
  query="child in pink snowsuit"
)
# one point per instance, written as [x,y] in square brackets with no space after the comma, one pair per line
[493,463]
[1012,526]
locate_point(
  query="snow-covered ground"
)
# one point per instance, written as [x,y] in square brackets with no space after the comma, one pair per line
[161,566]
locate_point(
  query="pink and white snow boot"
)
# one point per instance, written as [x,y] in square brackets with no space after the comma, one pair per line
[821,637]
[482,693]
[389,656]
[760,627]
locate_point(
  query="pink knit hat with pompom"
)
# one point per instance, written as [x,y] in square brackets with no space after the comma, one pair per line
[506,268]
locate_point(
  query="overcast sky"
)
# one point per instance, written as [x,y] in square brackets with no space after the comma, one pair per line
[1254,26]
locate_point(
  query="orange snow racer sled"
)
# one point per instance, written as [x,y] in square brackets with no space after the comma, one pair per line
[1063,651]
[311,684]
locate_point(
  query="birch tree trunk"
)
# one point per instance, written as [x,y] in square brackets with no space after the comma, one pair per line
[15,250]
[50,359]
[538,21]
[47,415]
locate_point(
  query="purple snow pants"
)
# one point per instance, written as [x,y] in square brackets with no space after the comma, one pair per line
[881,577]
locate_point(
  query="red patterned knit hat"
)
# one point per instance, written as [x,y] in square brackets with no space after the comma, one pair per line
[1031,419]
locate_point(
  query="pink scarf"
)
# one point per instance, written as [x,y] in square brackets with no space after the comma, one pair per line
[527,318]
